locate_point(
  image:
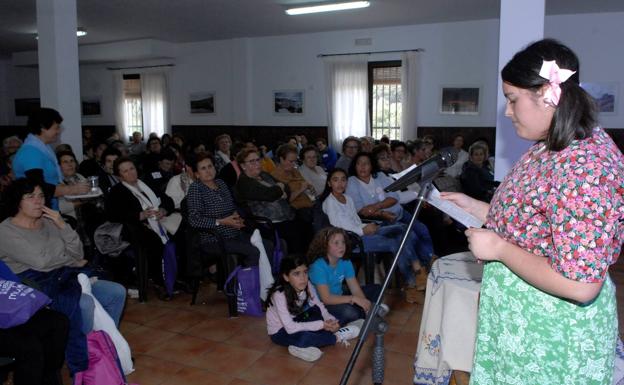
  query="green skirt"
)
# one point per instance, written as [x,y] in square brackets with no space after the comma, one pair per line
[528,337]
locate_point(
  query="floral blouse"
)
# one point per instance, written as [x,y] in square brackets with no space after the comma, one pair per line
[567,206]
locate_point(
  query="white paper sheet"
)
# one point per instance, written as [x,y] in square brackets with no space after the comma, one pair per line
[451,209]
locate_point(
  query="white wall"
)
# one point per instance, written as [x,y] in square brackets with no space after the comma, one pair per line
[244,72]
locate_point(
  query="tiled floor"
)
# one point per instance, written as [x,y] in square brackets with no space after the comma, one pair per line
[174,343]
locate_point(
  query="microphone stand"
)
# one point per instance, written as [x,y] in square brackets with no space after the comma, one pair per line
[374,316]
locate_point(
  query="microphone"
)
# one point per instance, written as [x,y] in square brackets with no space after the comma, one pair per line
[425,172]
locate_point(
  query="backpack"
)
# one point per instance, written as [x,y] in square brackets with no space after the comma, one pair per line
[104,366]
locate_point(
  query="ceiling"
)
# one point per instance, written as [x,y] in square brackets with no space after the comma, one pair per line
[201,20]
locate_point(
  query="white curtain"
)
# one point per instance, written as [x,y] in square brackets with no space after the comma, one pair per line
[120,125]
[154,103]
[409,90]
[347,97]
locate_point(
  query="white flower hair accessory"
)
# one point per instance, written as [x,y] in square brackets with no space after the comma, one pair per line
[555,75]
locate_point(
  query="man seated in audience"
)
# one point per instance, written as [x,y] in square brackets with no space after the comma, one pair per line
[328,155]
[105,175]
[350,147]
[458,156]
[158,179]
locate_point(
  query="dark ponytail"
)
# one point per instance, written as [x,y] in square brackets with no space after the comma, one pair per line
[575,115]
[287,265]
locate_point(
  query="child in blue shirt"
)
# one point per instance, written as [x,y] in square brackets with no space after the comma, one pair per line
[330,270]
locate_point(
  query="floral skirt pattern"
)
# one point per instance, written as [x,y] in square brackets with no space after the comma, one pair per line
[528,337]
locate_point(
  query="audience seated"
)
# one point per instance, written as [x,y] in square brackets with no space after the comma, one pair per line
[150,159]
[231,171]
[418,152]
[210,206]
[458,156]
[399,152]
[301,194]
[90,166]
[311,171]
[477,179]
[381,157]
[366,188]
[106,177]
[43,250]
[263,196]
[328,155]
[136,148]
[157,179]
[11,144]
[350,147]
[144,213]
[178,185]
[223,156]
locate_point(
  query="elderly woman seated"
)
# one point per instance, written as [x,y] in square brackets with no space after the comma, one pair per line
[44,251]
[265,197]
[145,214]
[210,206]
[301,194]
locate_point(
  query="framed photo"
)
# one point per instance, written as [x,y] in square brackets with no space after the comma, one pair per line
[288,102]
[460,100]
[26,106]
[605,95]
[91,107]
[203,103]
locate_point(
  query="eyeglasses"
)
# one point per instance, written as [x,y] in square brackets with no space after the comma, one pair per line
[253,161]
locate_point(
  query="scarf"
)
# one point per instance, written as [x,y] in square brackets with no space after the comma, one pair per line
[148,199]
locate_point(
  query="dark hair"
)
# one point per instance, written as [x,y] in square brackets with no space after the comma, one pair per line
[167,154]
[350,139]
[416,145]
[63,153]
[43,118]
[352,170]
[307,148]
[119,161]
[322,140]
[244,153]
[194,161]
[575,115]
[396,144]
[152,139]
[318,246]
[108,152]
[287,265]
[284,150]
[327,189]
[15,192]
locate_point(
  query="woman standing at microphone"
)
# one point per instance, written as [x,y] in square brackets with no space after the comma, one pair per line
[547,311]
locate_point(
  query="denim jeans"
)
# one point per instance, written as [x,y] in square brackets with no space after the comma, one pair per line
[112,297]
[388,239]
[306,338]
[423,242]
[346,312]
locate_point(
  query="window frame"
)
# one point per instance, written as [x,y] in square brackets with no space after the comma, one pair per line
[372,65]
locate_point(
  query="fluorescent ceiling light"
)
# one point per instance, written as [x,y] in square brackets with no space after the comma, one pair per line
[328,7]
[80,33]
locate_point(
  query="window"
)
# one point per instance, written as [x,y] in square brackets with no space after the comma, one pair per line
[133,111]
[385,99]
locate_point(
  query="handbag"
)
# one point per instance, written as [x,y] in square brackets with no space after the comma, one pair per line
[18,303]
[247,290]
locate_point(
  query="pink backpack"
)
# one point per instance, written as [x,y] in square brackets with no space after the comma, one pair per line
[104,367]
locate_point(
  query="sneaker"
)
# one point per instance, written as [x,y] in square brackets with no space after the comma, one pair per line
[343,335]
[358,323]
[309,354]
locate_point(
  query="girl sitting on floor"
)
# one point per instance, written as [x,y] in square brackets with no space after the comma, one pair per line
[328,272]
[297,318]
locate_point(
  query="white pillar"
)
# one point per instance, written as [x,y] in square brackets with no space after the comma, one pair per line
[521,22]
[59,80]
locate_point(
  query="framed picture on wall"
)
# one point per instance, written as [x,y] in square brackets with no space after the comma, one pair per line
[202,103]
[288,102]
[25,106]
[460,100]
[605,95]
[91,107]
